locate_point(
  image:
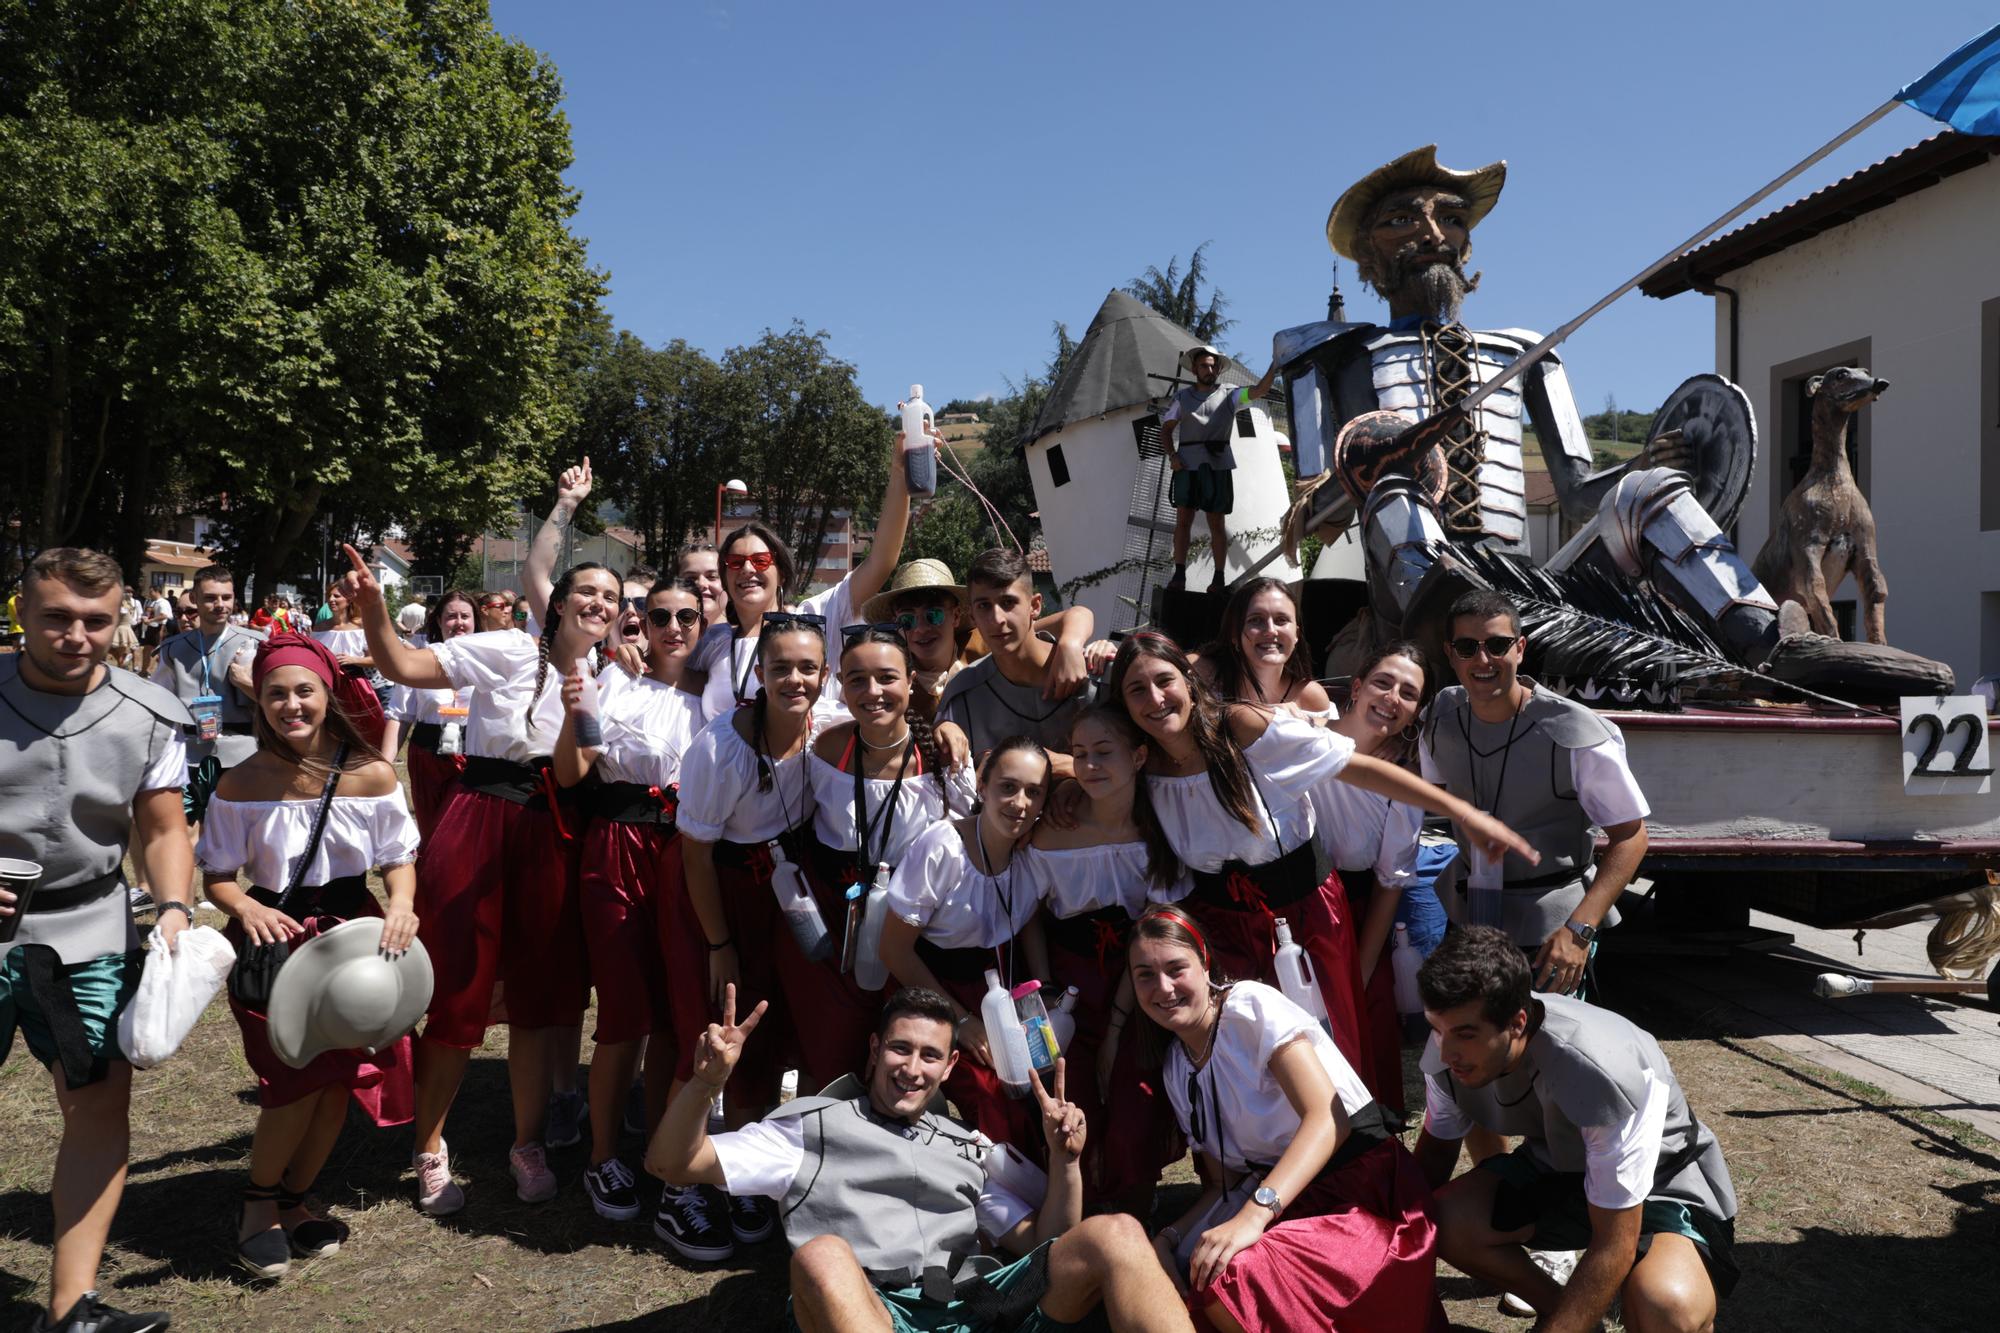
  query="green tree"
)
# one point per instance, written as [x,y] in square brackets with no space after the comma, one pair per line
[1176,293]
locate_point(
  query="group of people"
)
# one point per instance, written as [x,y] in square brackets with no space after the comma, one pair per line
[810,836]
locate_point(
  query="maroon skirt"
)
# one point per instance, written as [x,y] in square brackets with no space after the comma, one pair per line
[1381,1027]
[974,1088]
[743,876]
[831,1012]
[631,875]
[1356,1250]
[380,1083]
[433,777]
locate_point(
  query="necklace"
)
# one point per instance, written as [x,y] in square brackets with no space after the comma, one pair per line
[896,744]
[1212,1018]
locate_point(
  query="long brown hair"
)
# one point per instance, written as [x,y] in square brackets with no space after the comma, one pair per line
[1208,721]
[919,725]
[1402,749]
[1163,864]
[1233,675]
[781,560]
[434,618]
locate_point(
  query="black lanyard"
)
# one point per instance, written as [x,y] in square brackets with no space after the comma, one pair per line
[863,826]
[1472,755]
[1005,895]
[742,681]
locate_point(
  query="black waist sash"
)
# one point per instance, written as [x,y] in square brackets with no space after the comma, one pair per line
[1081,933]
[962,966]
[346,897]
[426,736]
[631,803]
[522,784]
[1274,884]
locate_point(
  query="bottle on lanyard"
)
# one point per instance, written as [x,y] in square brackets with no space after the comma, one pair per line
[1404,960]
[1043,1048]
[1005,1041]
[451,725]
[1005,1167]
[795,902]
[919,454]
[1063,1017]
[870,972]
[1486,890]
[1295,974]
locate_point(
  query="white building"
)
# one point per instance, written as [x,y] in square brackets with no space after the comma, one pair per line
[1896,268]
[1100,475]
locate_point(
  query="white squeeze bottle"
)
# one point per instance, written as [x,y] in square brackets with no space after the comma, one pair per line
[1404,960]
[919,454]
[870,972]
[1004,1038]
[1005,1167]
[1063,1017]
[1295,975]
[795,903]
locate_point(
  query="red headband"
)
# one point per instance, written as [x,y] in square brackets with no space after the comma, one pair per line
[1168,914]
[356,696]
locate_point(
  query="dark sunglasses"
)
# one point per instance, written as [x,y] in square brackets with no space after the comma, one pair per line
[633,604]
[851,634]
[757,560]
[659,617]
[1497,646]
[780,621]
[930,615]
[521,615]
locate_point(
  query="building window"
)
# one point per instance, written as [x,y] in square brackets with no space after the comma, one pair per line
[1246,424]
[1146,435]
[1989,418]
[1058,466]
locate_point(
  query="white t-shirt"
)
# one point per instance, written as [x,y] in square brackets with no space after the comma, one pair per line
[732,663]
[918,806]
[363,833]
[499,667]
[955,906]
[648,726]
[762,1160]
[1245,1114]
[1286,762]
[159,611]
[169,767]
[720,801]
[1074,881]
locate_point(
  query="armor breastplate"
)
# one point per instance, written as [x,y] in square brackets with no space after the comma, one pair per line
[1401,374]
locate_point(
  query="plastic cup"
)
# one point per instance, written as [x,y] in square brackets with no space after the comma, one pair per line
[18,878]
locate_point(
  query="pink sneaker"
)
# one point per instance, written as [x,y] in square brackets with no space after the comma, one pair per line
[533,1181]
[437,1195]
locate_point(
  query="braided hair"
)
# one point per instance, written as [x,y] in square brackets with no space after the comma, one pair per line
[1163,864]
[1208,722]
[757,728]
[920,727]
[552,626]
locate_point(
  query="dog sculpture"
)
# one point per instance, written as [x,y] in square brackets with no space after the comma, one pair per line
[1825,529]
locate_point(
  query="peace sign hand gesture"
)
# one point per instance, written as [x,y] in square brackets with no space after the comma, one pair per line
[721,1046]
[1062,1120]
[360,586]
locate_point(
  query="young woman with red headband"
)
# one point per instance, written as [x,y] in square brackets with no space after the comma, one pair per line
[1233,787]
[260,821]
[498,881]
[745,797]
[434,719]
[1095,877]
[878,782]
[962,904]
[643,941]
[1315,1216]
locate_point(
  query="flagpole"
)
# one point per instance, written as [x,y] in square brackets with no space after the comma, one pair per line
[1519,366]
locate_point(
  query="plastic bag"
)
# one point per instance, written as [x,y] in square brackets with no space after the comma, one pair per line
[174,989]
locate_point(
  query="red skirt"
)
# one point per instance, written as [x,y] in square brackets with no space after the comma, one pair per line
[497,898]
[1243,942]
[974,1088]
[433,777]
[831,1013]
[631,877]
[1356,1250]
[743,876]
[1133,1137]
[381,1083]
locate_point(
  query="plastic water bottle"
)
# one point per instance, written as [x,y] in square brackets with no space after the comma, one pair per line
[1295,975]
[1005,1167]
[1063,1017]
[919,454]
[870,972]
[586,703]
[1005,1041]
[1485,890]
[795,902]
[1404,960]
[1043,1048]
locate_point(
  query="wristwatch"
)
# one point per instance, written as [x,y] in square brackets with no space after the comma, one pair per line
[1585,933]
[1268,1197]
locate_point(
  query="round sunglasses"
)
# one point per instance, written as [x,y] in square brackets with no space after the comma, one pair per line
[660,617]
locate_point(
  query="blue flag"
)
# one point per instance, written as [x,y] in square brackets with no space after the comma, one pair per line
[1963,90]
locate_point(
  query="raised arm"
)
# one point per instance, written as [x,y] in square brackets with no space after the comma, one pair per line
[680,1152]
[539,573]
[415,667]
[1068,670]
[575,755]
[872,574]
[1399,784]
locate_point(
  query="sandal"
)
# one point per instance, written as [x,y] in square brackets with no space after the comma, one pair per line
[268,1254]
[314,1238]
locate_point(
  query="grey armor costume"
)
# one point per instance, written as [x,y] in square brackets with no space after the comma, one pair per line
[1205,425]
[182,670]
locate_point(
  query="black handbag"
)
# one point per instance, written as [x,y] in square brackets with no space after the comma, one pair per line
[257,965]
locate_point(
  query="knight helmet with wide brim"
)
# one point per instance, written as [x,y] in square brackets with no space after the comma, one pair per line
[1480,188]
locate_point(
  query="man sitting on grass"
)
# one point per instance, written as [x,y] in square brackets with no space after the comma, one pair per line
[1612,1162]
[885,1202]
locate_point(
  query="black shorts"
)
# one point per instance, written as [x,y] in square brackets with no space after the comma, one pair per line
[1206,487]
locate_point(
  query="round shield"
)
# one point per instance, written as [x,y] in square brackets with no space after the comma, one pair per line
[1365,450]
[1716,423]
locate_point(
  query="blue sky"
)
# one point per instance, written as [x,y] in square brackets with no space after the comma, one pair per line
[935,184]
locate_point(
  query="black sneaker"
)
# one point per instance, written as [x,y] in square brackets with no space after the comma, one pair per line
[566,1116]
[613,1191]
[692,1220]
[752,1220]
[91,1315]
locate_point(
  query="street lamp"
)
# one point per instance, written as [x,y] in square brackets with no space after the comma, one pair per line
[734,487]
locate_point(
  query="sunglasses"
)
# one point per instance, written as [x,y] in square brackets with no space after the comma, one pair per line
[930,615]
[494,606]
[521,616]
[1497,646]
[851,634]
[780,621]
[757,560]
[660,617]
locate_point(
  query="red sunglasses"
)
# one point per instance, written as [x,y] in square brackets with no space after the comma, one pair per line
[757,560]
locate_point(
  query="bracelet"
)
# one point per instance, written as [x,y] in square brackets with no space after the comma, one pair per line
[182,908]
[726,944]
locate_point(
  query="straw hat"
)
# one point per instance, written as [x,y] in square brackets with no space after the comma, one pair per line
[916,575]
[1481,188]
[336,992]
[1188,355]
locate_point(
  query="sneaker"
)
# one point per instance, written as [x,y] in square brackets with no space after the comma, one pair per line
[635,1109]
[91,1315]
[566,1114]
[533,1181]
[751,1219]
[691,1221]
[613,1191]
[1558,1264]
[437,1195]
[138,900]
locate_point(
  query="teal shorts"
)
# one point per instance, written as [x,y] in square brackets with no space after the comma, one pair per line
[909,1312]
[102,986]
[1208,488]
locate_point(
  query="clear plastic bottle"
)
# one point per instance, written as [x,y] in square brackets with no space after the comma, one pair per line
[1063,1017]
[795,902]
[870,972]
[1404,960]
[919,454]
[1043,1048]
[1005,1041]
[1295,974]
[1485,890]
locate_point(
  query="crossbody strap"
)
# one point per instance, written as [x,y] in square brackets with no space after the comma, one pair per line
[318,828]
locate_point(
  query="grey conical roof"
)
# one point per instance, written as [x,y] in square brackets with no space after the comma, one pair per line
[1111,369]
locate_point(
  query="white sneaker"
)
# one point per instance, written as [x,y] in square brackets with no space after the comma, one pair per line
[437,1194]
[1558,1264]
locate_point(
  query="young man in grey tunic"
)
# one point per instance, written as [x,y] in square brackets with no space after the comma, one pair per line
[1612,1161]
[88,752]
[1031,682]
[886,1202]
[1195,431]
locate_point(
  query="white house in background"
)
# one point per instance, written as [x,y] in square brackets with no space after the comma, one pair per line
[1896,268]
[1100,476]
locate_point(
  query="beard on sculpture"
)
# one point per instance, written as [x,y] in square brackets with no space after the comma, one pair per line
[1429,280]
